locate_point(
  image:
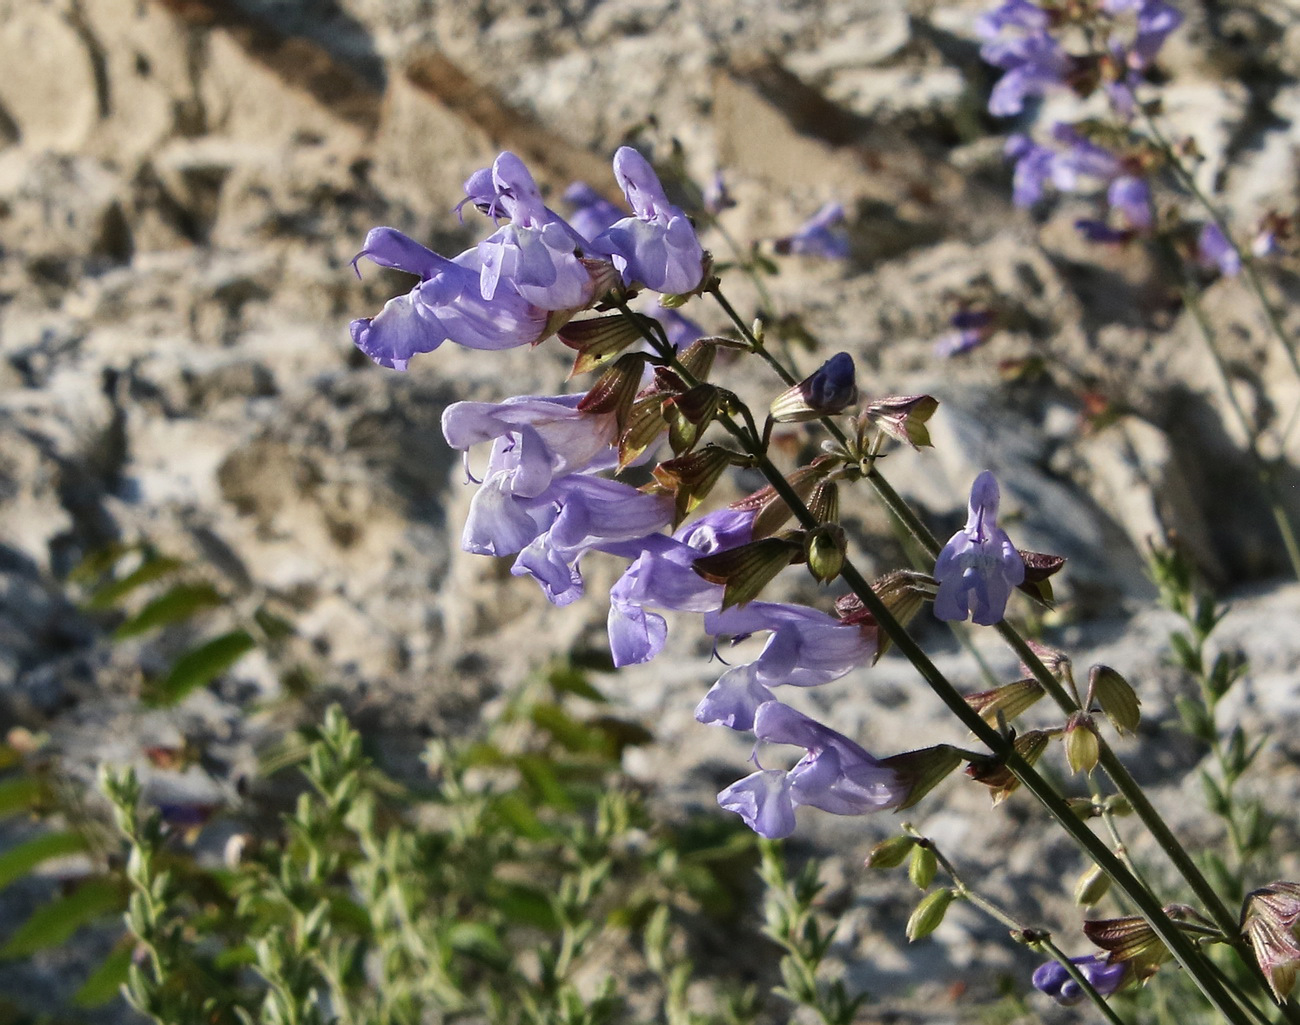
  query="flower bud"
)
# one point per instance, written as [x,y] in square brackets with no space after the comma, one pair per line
[1081,746]
[1269,922]
[829,390]
[890,853]
[1091,887]
[599,339]
[687,415]
[692,477]
[995,775]
[1010,700]
[922,867]
[929,914]
[903,417]
[1116,697]
[616,389]
[745,570]
[824,550]
[921,771]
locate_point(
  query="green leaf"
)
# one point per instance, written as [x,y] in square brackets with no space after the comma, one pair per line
[20,794]
[153,568]
[525,905]
[18,861]
[181,602]
[539,774]
[519,815]
[1196,718]
[106,981]
[97,563]
[569,679]
[200,666]
[53,924]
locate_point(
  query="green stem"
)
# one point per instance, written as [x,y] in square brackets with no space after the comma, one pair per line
[1183,950]
[1041,940]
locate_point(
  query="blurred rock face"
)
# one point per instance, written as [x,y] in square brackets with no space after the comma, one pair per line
[184,182]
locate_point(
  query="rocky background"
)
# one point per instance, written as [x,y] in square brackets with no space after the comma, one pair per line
[184,182]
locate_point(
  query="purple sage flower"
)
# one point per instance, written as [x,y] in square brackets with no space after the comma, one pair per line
[815,236]
[445,305]
[657,247]
[586,512]
[979,565]
[835,774]
[662,577]
[806,648]
[1214,251]
[1032,63]
[537,252]
[1055,981]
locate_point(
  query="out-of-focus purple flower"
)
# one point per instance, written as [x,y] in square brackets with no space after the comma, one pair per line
[1214,251]
[537,252]
[971,327]
[592,214]
[1100,232]
[661,576]
[716,195]
[1055,981]
[681,330]
[445,304]
[1131,196]
[587,512]
[806,648]
[1033,64]
[657,247]
[979,565]
[1020,14]
[1080,158]
[815,236]
[1033,169]
[835,774]
[1155,21]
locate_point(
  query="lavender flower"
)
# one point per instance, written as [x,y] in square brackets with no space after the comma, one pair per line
[656,248]
[1033,64]
[979,565]
[1213,250]
[835,775]
[1155,21]
[445,305]
[1033,169]
[970,329]
[537,252]
[815,238]
[586,512]
[661,577]
[806,648]
[1055,981]
[592,214]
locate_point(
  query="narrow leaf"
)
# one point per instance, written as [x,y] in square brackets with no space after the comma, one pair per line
[53,924]
[106,981]
[179,603]
[18,861]
[200,666]
[146,573]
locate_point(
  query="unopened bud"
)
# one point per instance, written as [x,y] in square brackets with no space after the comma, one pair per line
[929,914]
[995,775]
[890,853]
[922,867]
[1116,697]
[1081,747]
[829,390]
[616,389]
[599,339]
[824,549]
[1091,887]
[689,414]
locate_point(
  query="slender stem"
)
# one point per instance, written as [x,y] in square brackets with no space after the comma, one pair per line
[1183,950]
